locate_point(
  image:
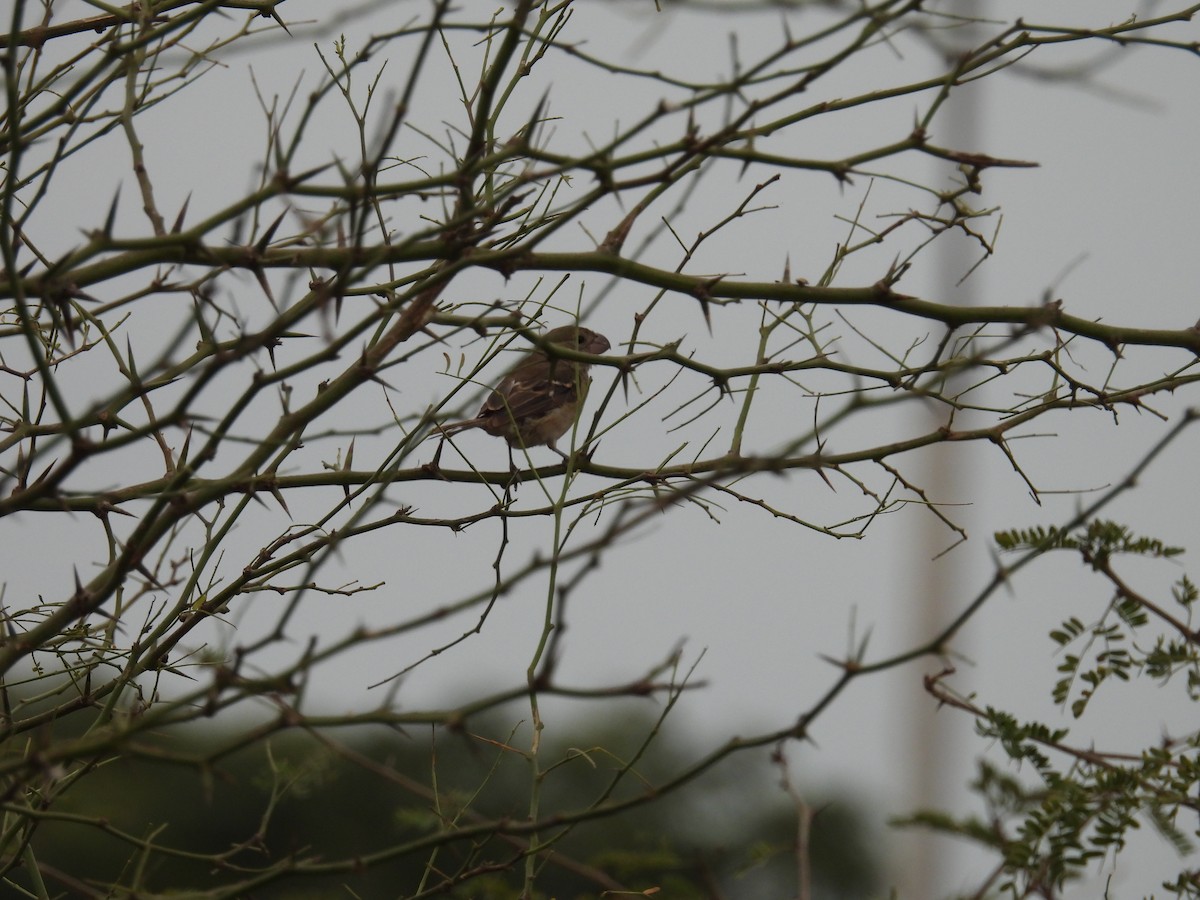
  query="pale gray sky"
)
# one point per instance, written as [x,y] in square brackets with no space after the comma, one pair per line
[1108,223]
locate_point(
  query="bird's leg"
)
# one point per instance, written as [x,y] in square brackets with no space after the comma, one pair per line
[513,481]
[566,457]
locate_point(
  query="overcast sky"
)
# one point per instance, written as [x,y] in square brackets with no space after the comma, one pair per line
[1108,222]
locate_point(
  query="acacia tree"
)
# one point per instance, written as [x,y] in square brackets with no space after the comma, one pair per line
[215,395]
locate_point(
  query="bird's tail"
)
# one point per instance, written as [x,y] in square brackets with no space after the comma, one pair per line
[445,429]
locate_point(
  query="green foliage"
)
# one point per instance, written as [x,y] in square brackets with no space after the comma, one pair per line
[1049,833]
[1184,592]
[1106,648]
[354,794]
[1021,741]
[1097,540]
[1083,803]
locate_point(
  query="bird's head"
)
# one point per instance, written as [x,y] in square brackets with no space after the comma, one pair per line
[582,339]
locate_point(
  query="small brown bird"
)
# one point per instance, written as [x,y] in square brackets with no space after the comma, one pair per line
[539,399]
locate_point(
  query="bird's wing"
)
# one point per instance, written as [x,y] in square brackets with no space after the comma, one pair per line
[531,398]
